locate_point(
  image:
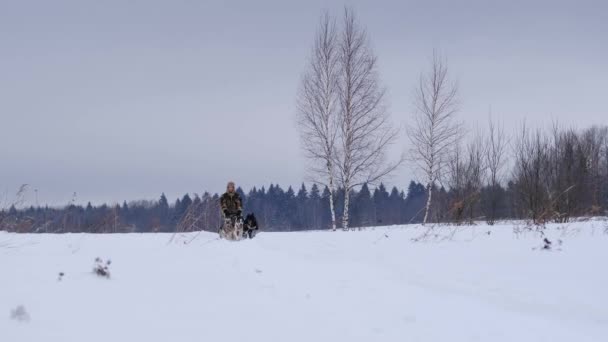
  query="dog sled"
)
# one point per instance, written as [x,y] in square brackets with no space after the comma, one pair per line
[235,227]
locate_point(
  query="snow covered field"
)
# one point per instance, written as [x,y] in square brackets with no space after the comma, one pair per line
[309,286]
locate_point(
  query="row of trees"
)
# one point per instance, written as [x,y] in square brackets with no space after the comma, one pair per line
[550,176]
[555,175]
[561,173]
[344,127]
[345,132]
[276,209]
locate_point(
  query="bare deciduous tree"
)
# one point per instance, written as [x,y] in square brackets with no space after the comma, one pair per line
[365,132]
[476,174]
[317,108]
[604,181]
[8,220]
[496,146]
[593,142]
[201,215]
[456,181]
[558,175]
[466,178]
[434,129]
[530,173]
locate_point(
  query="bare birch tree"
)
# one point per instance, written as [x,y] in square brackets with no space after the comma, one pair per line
[434,129]
[317,108]
[365,131]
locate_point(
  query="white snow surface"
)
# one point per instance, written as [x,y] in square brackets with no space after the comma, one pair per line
[370,285]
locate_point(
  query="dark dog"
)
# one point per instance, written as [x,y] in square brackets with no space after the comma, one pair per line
[250,226]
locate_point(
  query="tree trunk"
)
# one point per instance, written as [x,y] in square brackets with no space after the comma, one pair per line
[346,204]
[428,202]
[331,202]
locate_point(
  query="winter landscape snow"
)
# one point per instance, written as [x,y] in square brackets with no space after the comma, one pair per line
[477,283]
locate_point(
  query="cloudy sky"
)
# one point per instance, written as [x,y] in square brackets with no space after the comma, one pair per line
[122,100]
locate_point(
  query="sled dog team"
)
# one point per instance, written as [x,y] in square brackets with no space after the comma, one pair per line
[234,227]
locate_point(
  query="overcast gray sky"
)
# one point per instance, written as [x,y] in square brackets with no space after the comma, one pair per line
[122,100]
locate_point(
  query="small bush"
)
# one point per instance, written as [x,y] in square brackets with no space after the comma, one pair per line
[102,268]
[20,314]
[549,245]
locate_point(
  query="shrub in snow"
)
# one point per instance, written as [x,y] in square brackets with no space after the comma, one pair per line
[549,245]
[102,268]
[20,314]
[60,277]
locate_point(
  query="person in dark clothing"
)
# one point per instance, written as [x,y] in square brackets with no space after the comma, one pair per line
[231,202]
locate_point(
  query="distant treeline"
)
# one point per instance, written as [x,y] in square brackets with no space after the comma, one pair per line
[277,210]
[552,176]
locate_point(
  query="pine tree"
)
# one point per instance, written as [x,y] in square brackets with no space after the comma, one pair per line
[395,202]
[241,193]
[414,203]
[363,208]
[302,209]
[175,212]
[325,211]
[125,206]
[315,207]
[290,209]
[163,213]
[186,202]
[381,204]
[181,207]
